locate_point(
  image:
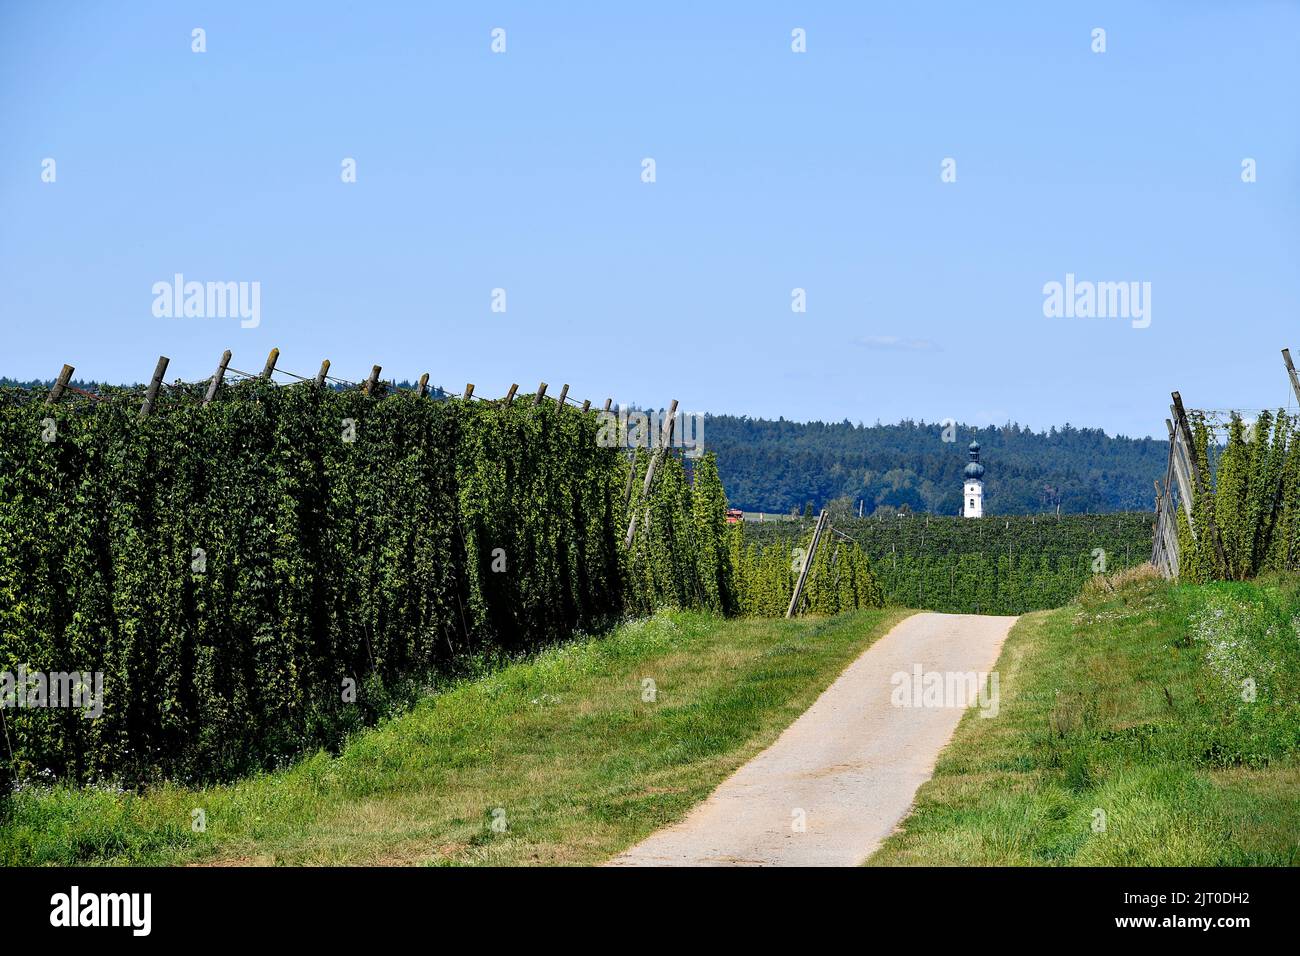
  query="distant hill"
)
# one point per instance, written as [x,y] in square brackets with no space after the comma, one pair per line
[776,466]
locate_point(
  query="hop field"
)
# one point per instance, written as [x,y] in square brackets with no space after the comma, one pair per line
[992,565]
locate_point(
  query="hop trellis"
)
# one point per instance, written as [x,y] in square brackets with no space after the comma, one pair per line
[1230,504]
[356,534]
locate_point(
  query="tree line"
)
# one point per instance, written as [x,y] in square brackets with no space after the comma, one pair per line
[782,466]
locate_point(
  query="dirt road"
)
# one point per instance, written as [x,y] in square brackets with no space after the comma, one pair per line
[841,777]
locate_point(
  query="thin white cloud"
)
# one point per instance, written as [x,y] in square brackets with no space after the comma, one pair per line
[892,343]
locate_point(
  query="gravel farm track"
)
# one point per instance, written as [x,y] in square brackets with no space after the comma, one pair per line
[841,777]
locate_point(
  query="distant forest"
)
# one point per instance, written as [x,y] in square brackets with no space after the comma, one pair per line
[779,466]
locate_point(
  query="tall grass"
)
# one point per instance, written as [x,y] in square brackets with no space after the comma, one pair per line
[578,751]
[1149,724]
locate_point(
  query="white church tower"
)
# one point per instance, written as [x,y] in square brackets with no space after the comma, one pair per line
[972,505]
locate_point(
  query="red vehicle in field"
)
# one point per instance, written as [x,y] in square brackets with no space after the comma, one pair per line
[735,516]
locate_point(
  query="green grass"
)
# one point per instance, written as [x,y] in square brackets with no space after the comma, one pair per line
[1128,704]
[563,744]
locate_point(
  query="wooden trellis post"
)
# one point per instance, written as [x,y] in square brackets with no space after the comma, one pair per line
[1290,371]
[564,392]
[1165,544]
[217,377]
[469,391]
[424,384]
[270,364]
[151,395]
[650,471]
[510,395]
[1200,481]
[372,381]
[1178,462]
[61,383]
[541,393]
[1165,539]
[666,431]
[1172,556]
[1157,534]
[807,564]
[324,370]
[1159,540]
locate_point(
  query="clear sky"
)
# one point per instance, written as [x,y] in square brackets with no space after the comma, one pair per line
[774,170]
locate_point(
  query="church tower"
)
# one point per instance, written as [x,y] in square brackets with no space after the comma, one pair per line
[973,490]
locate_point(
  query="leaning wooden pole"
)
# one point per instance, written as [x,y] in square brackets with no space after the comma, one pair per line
[1291,373]
[1165,544]
[666,432]
[151,395]
[217,376]
[1158,526]
[1172,556]
[666,440]
[1169,473]
[1181,477]
[1169,524]
[324,371]
[1156,535]
[271,359]
[61,383]
[1183,461]
[1200,481]
[1158,556]
[1165,551]
[807,564]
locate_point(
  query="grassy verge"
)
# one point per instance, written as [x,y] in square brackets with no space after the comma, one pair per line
[1124,738]
[561,749]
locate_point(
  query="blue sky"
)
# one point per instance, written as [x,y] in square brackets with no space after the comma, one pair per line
[774,170]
